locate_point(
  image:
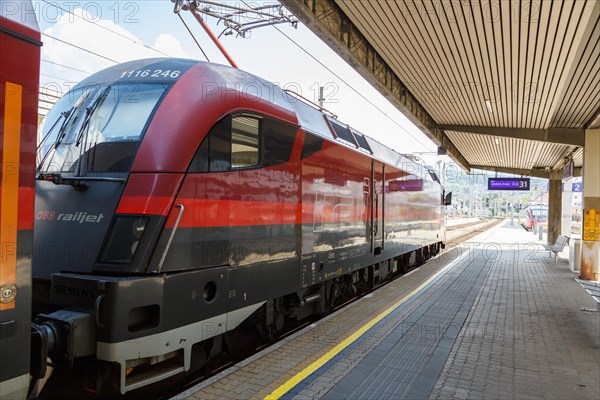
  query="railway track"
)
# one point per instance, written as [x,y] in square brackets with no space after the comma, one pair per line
[458,234]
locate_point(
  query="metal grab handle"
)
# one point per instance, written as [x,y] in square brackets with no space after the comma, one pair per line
[97,306]
[164,255]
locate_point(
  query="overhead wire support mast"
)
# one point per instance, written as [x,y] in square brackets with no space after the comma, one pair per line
[265,15]
[262,17]
[211,34]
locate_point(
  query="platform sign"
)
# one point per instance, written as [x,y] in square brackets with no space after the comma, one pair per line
[576,187]
[568,170]
[508,184]
[591,225]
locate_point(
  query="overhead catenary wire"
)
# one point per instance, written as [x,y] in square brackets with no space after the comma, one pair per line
[109,30]
[354,89]
[44,91]
[80,48]
[193,37]
[56,77]
[65,66]
[348,85]
[207,58]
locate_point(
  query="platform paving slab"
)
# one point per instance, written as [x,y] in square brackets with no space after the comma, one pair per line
[526,335]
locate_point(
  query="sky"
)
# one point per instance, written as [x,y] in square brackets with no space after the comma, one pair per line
[126,30]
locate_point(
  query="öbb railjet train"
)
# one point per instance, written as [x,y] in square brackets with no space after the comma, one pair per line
[177,200]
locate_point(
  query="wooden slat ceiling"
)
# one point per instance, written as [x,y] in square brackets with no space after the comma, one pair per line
[484,150]
[529,64]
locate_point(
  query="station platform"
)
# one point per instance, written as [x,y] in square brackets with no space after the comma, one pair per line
[495,317]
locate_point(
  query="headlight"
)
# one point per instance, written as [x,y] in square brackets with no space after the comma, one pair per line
[123,239]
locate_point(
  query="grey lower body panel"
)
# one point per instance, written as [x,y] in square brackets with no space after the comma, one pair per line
[179,339]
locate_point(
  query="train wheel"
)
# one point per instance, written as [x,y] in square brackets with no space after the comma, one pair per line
[334,294]
[420,259]
[243,340]
[107,381]
[199,355]
[348,288]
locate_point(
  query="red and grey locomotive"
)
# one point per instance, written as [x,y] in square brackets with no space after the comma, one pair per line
[178,199]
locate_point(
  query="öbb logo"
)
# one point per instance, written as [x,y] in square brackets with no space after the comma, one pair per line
[45,215]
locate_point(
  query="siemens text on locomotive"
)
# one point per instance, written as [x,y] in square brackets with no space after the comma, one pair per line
[177,200]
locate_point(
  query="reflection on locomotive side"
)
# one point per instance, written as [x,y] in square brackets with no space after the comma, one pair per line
[412,201]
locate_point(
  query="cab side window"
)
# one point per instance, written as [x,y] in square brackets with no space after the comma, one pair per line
[233,143]
[219,147]
[245,143]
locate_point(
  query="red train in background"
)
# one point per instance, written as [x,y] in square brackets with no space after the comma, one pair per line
[19,87]
[534,214]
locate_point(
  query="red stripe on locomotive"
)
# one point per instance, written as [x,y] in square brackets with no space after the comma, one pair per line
[149,194]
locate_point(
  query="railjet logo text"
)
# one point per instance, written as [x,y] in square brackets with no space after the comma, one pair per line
[78,217]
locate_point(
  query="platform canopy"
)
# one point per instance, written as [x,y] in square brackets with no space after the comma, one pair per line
[503,85]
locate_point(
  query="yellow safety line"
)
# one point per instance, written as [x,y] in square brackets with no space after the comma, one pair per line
[300,376]
[9,207]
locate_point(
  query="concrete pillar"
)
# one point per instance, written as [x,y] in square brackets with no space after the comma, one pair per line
[554,207]
[590,235]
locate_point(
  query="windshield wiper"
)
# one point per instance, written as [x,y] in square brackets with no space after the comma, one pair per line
[78,182]
[59,135]
[88,116]
[62,114]
[71,116]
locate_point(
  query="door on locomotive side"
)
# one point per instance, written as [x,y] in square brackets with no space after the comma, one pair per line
[19,85]
[377,206]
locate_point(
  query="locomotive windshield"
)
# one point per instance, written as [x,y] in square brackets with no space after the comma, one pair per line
[97,129]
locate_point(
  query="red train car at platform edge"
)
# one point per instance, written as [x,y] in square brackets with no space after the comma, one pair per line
[19,85]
